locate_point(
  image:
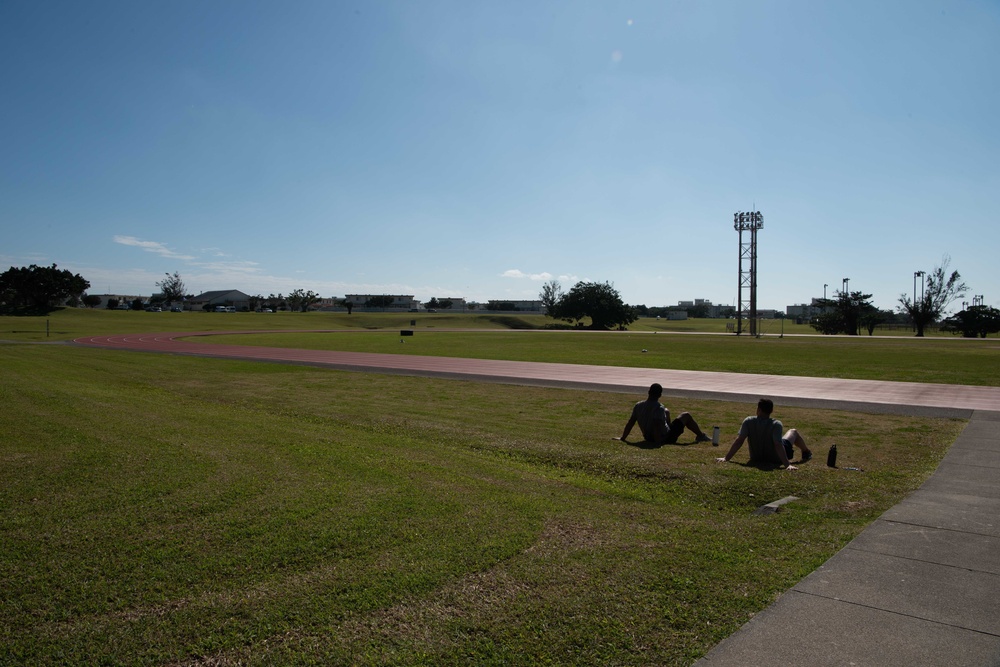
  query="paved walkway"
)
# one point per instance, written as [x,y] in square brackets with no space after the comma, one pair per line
[919,586]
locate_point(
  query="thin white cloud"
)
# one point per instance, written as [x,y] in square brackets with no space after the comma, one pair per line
[150,246]
[235,267]
[518,274]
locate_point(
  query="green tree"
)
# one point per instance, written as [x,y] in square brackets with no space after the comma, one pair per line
[846,314]
[348,304]
[601,302]
[380,301]
[550,296]
[39,288]
[940,289]
[301,300]
[91,300]
[874,317]
[697,311]
[974,321]
[172,287]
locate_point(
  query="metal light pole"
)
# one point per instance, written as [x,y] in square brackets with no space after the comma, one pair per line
[922,282]
[748,221]
[846,285]
[825,285]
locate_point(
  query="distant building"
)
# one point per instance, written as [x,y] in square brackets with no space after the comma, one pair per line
[328,304]
[123,300]
[805,312]
[702,308]
[232,297]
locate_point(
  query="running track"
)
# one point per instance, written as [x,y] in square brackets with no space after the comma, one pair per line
[865,395]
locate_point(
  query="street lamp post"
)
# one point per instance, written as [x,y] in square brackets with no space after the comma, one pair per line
[921,274]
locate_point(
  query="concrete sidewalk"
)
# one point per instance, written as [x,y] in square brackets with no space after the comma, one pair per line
[919,586]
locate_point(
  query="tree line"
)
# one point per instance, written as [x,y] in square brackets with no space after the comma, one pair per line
[39,289]
[851,312]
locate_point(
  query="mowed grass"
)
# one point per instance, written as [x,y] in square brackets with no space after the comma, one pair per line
[174,510]
[684,345]
[70,323]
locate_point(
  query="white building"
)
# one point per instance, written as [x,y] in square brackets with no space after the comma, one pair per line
[231,297]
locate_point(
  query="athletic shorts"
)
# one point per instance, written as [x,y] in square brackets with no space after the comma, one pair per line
[676,428]
[789,450]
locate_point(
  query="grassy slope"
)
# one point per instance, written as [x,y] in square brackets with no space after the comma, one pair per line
[158,510]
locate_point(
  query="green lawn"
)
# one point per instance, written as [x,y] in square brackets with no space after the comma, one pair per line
[943,359]
[70,323]
[161,509]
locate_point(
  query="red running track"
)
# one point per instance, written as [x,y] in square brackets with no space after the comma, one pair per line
[870,395]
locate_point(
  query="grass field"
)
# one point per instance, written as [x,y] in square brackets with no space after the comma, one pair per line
[71,323]
[173,510]
[941,359]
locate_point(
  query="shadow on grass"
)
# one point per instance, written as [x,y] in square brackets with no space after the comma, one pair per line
[30,311]
[646,444]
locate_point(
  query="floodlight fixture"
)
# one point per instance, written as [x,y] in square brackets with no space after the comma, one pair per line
[918,274]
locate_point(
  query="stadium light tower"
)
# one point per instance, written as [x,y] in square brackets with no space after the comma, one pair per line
[749,221]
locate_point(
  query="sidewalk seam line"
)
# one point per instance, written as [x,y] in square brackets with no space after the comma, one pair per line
[897,613]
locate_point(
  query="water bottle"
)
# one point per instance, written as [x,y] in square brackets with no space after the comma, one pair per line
[831,458]
[715,436]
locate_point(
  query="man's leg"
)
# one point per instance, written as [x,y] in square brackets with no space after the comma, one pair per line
[687,420]
[793,436]
[674,431]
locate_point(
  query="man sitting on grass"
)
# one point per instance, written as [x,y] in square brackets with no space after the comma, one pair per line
[654,421]
[767,445]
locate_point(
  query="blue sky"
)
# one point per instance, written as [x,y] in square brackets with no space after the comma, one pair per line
[467,149]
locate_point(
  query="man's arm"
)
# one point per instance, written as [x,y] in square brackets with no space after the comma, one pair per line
[779,447]
[737,443]
[628,427]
